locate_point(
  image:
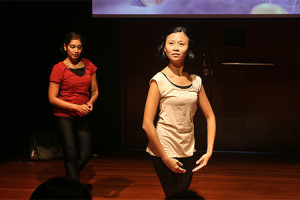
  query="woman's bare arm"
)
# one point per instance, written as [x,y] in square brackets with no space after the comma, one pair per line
[148,126]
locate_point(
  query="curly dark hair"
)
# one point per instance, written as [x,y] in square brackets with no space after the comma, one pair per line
[190,55]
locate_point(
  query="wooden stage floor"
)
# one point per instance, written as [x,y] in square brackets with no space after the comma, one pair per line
[227,176]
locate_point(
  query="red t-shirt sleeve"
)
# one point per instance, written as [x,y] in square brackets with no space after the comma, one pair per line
[93,68]
[56,74]
[90,66]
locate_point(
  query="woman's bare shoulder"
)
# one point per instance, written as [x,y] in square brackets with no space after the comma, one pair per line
[189,76]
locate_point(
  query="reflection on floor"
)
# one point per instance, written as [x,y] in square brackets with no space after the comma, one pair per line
[131,176]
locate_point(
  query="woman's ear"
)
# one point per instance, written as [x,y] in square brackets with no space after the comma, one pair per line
[65,47]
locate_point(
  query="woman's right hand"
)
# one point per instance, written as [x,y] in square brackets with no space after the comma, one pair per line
[83,109]
[174,165]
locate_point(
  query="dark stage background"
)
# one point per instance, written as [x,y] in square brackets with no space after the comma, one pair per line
[257,107]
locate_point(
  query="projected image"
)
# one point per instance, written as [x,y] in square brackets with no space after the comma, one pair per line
[194,7]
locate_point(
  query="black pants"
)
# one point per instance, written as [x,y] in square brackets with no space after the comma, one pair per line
[172,182]
[76,142]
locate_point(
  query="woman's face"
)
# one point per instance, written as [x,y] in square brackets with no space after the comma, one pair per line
[74,49]
[176,47]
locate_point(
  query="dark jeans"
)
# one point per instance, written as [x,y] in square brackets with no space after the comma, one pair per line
[76,142]
[172,182]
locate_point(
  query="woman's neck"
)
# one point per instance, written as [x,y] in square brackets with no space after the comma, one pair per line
[176,69]
[72,61]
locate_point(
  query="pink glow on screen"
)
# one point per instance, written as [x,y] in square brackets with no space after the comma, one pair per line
[195,7]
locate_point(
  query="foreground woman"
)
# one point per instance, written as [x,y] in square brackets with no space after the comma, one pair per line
[177,93]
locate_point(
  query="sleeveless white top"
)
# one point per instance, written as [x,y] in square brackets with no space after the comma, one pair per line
[175,126]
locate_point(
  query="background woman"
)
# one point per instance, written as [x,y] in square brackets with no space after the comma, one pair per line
[73,90]
[177,94]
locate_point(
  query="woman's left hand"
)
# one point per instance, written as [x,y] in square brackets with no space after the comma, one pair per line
[202,162]
[90,105]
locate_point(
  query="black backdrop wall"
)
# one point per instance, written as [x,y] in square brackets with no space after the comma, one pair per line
[123,49]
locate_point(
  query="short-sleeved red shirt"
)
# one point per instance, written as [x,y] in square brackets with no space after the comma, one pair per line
[73,88]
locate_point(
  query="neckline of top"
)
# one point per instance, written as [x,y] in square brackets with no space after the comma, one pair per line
[84,65]
[179,86]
